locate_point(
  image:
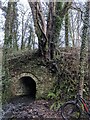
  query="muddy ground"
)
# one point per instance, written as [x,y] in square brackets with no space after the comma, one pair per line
[27,108]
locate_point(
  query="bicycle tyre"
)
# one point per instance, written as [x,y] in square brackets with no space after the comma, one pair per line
[70,111]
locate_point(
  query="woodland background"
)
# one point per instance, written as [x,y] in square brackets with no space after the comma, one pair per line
[52,29]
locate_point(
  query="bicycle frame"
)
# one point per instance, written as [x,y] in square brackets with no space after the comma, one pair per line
[80,100]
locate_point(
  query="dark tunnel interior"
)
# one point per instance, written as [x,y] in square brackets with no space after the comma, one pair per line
[30,86]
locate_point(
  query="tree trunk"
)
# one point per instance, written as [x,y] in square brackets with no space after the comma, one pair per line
[50,25]
[15,27]
[83,50]
[22,40]
[66,30]
[55,17]
[40,28]
[10,35]
[89,52]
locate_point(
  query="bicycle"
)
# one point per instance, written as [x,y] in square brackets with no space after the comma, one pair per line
[72,110]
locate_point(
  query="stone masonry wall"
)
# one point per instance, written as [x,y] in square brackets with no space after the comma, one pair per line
[31,66]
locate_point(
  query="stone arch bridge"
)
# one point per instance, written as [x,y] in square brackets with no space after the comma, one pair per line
[29,76]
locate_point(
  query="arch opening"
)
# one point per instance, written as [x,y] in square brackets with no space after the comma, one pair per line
[29,86]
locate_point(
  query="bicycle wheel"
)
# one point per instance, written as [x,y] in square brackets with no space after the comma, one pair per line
[70,111]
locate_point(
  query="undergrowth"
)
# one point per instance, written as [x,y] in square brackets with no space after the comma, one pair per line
[66,91]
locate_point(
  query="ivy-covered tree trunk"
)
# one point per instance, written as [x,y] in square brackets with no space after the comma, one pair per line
[83,50]
[15,27]
[89,52]
[11,27]
[10,43]
[60,11]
